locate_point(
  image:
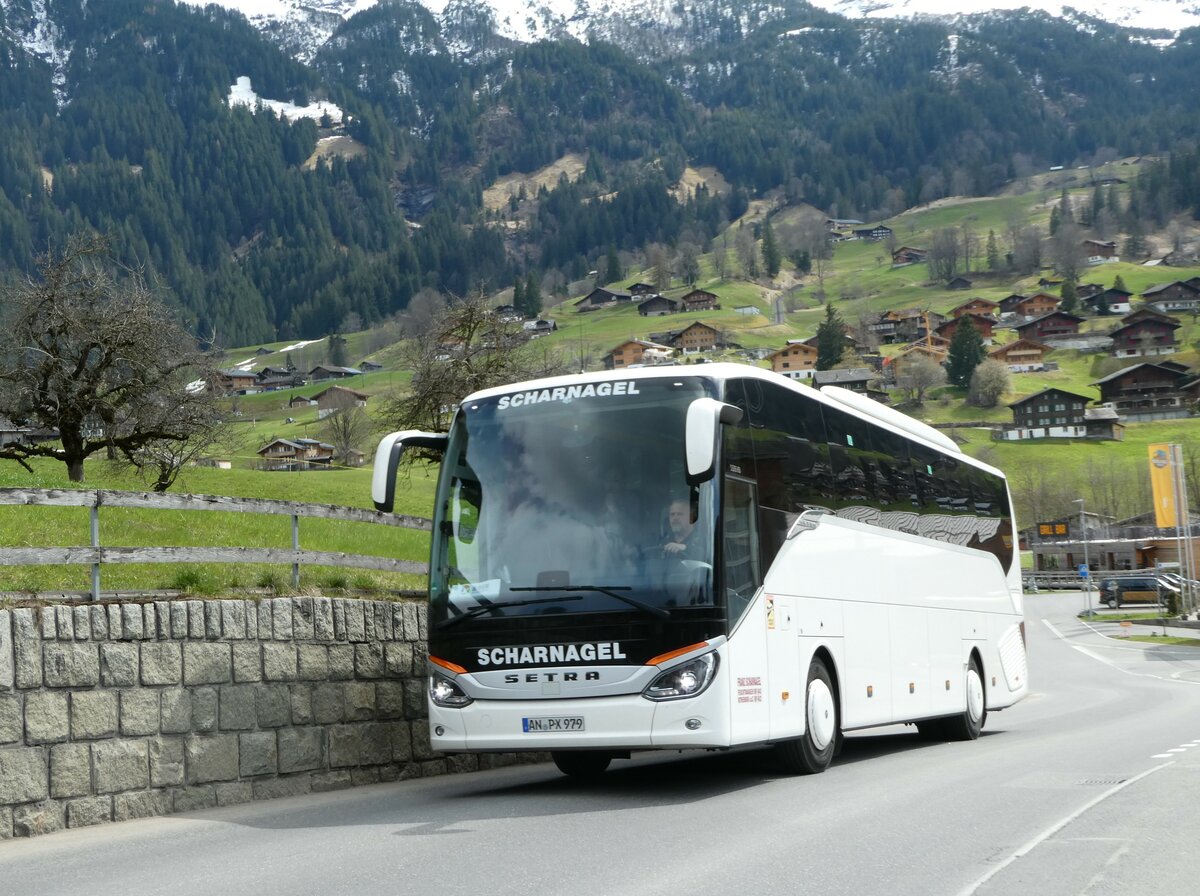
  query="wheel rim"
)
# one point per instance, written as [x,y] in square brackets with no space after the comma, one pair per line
[821,715]
[974,695]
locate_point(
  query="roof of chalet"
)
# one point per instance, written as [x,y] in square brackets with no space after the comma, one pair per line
[1159,287]
[1173,369]
[1041,392]
[843,375]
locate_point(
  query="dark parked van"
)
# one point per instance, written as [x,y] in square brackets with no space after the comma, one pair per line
[1135,590]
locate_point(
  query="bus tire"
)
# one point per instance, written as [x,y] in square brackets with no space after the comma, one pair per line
[581,763]
[811,753]
[969,723]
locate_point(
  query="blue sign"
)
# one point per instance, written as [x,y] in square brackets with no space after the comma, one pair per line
[1083,571]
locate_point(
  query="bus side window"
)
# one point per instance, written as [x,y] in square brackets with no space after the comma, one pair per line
[743,571]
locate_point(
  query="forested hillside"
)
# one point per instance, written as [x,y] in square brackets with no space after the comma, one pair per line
[128,129]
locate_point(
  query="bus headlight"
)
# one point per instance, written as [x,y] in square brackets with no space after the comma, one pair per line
[444,692]
[686,680]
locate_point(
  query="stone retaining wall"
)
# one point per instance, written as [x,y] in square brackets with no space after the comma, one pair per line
[116,711]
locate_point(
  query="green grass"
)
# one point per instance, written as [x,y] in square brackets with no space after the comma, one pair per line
[1165,639]
[24,526]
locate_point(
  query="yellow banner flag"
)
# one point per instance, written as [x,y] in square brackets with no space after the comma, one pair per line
[1162,485]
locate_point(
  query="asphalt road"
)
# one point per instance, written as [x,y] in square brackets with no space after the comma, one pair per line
[1088,786]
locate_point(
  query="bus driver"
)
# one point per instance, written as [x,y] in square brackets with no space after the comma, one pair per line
[680,540]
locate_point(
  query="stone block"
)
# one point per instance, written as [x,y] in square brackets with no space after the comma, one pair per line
[368,660]
[327,703]
[300,696]
[175,706]
[263,612]
[162,662]
[237,710]
[39,818]
[414,618]
[383,620]
[356,626]
[120,765]
[207,664]
[71,665]
[195,610]
[118,664]
[47,719]
[133,622]
[89,811]
[322,619]
[414,698]
[341,662]
[70,770]
[272,703]
[64,621]
[281,618]
[389,700]
[204,709]
[313,662]
[139,714]
[234,794]
[147,804]
[339,619]
[10,720]
[369,633]
[6,831]
[82,623]
[250,608]
[300,749]
[247,662]
[402,743]
[212,619]
[162,618]
[179,620]
[166,761]
[398,659]
[302,618]
[192,799]
[338,779]
[276,788]
[233,619]
[279,662]
[421,751]
[211,758]
[22,775]
[93,714]
[361,777]
[360,701]
[365,743]
[27,649]
[114,622]
[149,622]
[99,623]
[258,754]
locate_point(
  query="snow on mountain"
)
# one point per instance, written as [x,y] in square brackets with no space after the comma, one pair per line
[1171,15]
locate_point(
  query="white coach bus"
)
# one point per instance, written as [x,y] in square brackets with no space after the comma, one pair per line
[708,557]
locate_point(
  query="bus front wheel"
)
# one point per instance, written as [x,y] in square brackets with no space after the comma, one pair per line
[812,752]
[968,725]
[581,763]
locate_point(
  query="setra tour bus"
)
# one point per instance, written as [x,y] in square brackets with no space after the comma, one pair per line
[708,557]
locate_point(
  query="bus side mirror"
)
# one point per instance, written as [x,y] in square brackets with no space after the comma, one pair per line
[702,433]
[387,461]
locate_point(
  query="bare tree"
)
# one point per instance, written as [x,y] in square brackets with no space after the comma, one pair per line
[1066,249]
[989,381]
[348,429]
[467,348]
[89,351]
[720,255]
[747,251]
[945,254]
[1027,249]
[916,374]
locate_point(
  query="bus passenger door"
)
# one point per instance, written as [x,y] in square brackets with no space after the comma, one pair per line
[747,608]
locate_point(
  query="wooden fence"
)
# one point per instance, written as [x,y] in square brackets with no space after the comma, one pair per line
[96,555]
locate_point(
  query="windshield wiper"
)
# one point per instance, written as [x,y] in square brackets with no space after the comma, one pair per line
[610,590]
[499,605]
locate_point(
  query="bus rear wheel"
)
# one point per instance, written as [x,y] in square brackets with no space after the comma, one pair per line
[969,724]
[581,763]
[813,751]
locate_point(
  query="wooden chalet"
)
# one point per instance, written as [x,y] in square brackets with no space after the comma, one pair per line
[797,360]
[539,327]
[239,381]
[874,234]
[1054,325]
[642,289]
[976,305]
[1050,413]
[1178,295]
[959,283]
[1145,332]
[1009,304]
[1109,301]
[1036,305]
[908,255]
[1021,356]
[1148,391]
[602,297]
[1100,251]
[295,454]
[338,398]
[698,337]
[637,352]
[982,323]
[323,372]
[856,379]
[699,300]
[656,306]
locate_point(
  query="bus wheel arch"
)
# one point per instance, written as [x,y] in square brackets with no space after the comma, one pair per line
[968,724]
[812,752]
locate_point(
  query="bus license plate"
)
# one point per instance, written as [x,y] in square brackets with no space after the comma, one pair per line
[552,723]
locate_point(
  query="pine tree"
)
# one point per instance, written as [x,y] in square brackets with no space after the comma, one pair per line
[1070,296]
[770,251]
[518,299]
[831,339]
[612,267]
[533,296]
[993,252]
[965,354]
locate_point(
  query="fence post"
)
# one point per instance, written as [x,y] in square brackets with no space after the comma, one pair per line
[296,550]
[95,527]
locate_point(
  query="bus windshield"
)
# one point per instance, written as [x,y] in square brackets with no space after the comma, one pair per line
[570,500]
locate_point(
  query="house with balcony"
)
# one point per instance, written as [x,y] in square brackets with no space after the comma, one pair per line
[1145,332]
[1178,295]
[797,360]
[1149,391]
[295,454]
[657,306]
[1022,356]
[636,353]
[1049,414]
[699,300]
[1100,251]
[1055,325]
